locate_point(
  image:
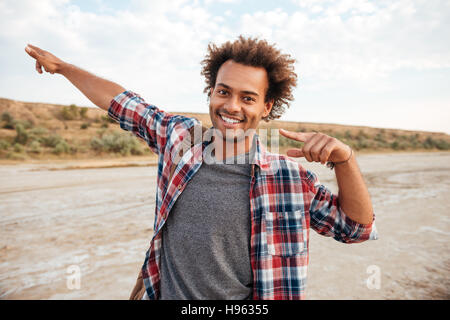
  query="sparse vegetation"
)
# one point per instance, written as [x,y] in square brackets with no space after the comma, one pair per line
[35,147]
[70,113]
[21,134]
[62,147]
[83,113]
[8,120]
[117,142]
[59,131]
[4,144]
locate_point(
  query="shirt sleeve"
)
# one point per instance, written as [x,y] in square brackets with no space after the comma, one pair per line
[144,120]
[327,217]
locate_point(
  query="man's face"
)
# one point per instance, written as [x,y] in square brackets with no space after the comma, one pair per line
[237,100]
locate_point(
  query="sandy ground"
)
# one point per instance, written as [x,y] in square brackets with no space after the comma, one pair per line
[99,222]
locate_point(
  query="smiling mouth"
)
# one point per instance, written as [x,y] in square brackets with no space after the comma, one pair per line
[230,120]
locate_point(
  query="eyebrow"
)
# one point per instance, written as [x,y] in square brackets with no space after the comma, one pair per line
[243,91]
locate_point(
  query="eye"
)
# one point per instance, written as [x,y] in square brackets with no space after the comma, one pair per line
[222,92]
[249,99]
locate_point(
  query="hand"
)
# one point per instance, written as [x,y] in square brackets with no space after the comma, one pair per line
[318,147]
[44,59]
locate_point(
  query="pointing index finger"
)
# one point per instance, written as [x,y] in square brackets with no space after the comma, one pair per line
[299,136]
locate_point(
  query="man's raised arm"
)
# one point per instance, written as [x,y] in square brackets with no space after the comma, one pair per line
[96,89]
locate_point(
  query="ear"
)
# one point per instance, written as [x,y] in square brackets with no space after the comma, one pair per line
[267,108]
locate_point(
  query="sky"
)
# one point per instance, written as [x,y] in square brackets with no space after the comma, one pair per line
[359,62]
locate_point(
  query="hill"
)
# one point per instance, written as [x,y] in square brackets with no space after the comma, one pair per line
[49,131]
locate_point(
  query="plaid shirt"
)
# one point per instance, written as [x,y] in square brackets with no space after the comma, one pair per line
[285,201]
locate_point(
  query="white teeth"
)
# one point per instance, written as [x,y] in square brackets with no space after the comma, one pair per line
[229,120]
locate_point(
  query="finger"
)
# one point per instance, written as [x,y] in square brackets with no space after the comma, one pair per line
[317,147]
[32,52]
[299,136]
[295,153]
[37,49]
[38,67]
[309,145]
[326,152]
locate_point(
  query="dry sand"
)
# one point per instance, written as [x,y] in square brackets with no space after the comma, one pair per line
[101,221]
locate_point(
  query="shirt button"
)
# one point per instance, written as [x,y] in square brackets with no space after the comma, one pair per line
[179,187]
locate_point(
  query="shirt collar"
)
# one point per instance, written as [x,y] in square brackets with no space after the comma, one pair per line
[262,158]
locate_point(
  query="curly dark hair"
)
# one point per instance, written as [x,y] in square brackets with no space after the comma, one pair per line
[256,53]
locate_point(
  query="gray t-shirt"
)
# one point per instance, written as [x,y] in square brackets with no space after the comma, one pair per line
[205,252]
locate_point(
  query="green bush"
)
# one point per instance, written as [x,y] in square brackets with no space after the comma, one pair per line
[84,126]
[21,134]
[70,112]
[8,119]
[52,140]
[37,131]
[107,119]
[15,156]
[83,113]
[61,147]
[35,147]
[18,148]
[380,137]
[440,144]
[25,123]
[4,145]
[36,134]
[116,142]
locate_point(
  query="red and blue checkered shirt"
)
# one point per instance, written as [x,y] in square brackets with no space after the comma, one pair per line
[286,200]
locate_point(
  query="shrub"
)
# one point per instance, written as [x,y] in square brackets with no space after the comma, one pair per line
[399,145]
[440,144]
[36,134]
[107,119]
[84,126]
[380,137]
[7,117]
[122,143]
[52,140]
[18,148]
[83,113]
[70,112]
[362,135]
[61,147]
[37,131]
[21,134]
[15,156]
[35,147]
[25,123]
[4,145]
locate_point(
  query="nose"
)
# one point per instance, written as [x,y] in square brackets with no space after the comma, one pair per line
[232,106]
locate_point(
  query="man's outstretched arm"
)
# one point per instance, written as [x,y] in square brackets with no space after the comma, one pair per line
[99,91]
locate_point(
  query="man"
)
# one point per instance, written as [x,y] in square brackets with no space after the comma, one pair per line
[239,230]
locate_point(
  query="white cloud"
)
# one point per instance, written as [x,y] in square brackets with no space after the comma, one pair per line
[354,40]
[155,47]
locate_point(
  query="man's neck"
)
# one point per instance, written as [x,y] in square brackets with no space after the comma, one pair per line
[224,148]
